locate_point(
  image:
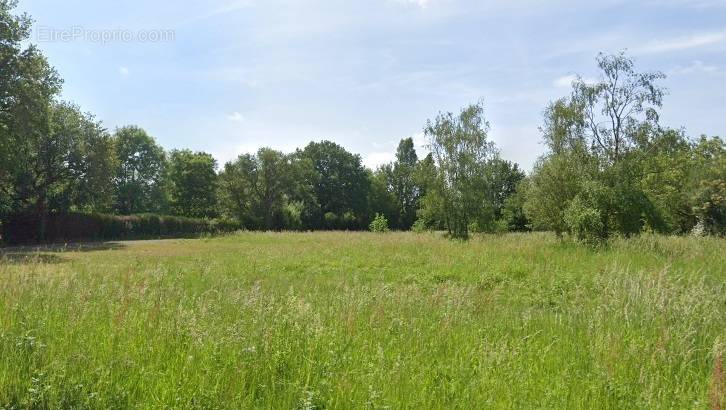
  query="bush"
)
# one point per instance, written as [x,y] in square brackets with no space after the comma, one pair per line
[585,222]
[420,226]
[292,215]
[379,224]
[330,221]
[62,227]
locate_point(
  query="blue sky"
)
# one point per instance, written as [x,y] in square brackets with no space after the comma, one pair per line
[241,74]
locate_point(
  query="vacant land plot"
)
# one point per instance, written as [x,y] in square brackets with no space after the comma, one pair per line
[343,320]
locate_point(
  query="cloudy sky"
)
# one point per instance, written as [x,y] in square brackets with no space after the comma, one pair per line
[230,76]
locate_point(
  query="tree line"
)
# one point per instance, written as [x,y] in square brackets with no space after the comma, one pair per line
[610,167]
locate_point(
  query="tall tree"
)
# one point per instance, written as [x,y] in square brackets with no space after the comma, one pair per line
[462,151]
[598,141]
[256,189]
[619,106]
[88,166]
[340,184]
[140,178]
[28,87]
[401,179]
[503,178]
[193,184]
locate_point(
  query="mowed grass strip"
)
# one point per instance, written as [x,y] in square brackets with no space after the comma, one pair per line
[361,320]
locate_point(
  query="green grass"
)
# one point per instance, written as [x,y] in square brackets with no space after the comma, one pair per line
[361,320]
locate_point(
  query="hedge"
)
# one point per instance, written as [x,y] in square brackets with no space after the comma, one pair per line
[70,227]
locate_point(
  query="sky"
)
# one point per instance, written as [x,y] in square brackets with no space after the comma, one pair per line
[231,76]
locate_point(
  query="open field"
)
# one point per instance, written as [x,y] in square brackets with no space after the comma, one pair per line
[354,320]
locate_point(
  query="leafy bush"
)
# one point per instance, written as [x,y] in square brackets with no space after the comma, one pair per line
[585,222]
[292,215]
[420,226]
[330,221]
[379,224]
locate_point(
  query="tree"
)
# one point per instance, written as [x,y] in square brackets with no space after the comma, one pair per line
[461,152]
[381,197]
[619,106]
[403,186]
[91,162]
[430,211]
[599,140]
[256,189]
[513,218]
[340,184]
[554,183]
[667,164]
[503,178]
[28,87]
[193,184]
[140,177]
[707,193]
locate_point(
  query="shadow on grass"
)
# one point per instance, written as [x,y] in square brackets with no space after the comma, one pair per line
[23,255]
[64,247]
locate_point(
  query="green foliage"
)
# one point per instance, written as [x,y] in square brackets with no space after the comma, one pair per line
[707,194]
[420,226]
[513,217]
[141,177]
[379,224]
[555,181]
[401,179]
[256,189]
[645,175]
[461,153]
[382,198]
[585,221]
[55,159]
[193,184]
[292,215]
[68,227]
[339,182]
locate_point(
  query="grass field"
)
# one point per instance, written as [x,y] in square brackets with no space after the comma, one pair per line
[359,320]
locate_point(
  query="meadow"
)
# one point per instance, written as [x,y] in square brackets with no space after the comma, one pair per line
[363,320]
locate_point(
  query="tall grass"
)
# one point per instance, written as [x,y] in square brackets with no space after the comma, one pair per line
[355,320]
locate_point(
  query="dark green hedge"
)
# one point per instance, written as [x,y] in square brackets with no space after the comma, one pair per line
[70,227]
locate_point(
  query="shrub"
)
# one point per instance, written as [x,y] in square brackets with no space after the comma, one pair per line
[379,224]
[585,222]
[292,215]
[420,226]
[66,227]
[330,221]
[349,221]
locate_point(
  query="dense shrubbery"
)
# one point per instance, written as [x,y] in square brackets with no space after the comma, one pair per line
[20,229]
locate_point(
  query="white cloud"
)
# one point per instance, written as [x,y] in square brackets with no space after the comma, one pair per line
[683,43]
[236,117]
[418,3]
[421,144]
[124,71]
[373,160]
[567,80]
[697,66]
